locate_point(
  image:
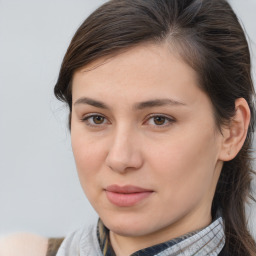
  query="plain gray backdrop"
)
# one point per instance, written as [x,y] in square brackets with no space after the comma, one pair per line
[39,188]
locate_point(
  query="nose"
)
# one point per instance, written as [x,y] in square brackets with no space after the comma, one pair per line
[124,153]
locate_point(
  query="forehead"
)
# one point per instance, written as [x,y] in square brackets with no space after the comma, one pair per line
[147,68]
[149,61]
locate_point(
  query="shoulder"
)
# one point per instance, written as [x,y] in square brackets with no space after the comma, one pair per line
[23,244]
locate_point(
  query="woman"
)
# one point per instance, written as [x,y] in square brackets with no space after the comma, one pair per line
[161,119]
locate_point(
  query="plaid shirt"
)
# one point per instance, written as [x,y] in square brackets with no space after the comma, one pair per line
[207,241]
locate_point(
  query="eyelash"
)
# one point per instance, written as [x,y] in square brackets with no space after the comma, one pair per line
[86,119]
[167,120]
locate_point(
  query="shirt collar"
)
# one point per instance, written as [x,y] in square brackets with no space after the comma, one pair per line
[207,241]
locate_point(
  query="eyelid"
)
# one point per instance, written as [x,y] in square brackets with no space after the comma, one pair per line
[86,117]
[170,119]
[91,114]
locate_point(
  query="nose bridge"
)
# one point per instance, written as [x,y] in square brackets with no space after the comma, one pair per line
[124,152]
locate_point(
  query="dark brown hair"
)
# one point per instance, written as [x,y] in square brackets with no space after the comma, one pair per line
[207,34]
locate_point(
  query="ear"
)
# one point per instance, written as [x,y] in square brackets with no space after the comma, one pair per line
[235,133]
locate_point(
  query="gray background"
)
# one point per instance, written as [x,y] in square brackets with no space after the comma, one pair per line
[39,188]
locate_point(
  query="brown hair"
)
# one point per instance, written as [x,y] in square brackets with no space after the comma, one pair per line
[207,34]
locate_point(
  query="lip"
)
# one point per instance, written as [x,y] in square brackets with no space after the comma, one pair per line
[126,196]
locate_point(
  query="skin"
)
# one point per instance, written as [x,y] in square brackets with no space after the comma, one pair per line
[23,244]
[172,149]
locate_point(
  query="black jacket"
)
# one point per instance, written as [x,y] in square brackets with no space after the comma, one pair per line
[224,252]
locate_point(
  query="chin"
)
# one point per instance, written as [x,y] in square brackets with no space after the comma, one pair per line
[129,230]
[129,226]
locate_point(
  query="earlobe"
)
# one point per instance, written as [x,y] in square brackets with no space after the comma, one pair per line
[235,133]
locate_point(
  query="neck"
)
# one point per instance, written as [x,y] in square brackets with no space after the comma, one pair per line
[126,245]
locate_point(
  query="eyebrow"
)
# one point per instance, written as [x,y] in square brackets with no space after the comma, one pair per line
[137,106]
[89,101]
[158,103]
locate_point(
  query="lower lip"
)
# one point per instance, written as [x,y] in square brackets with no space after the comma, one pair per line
[126,200]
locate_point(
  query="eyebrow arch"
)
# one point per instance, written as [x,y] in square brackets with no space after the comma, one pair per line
[89,101]
[137,106]
[158,103]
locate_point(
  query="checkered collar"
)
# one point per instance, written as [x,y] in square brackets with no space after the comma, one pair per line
[207,241]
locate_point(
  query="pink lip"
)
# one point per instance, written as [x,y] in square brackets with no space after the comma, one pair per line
[125,196]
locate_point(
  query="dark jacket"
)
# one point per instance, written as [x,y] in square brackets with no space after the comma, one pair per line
[224,252]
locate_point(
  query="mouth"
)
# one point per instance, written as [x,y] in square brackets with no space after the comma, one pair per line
[126,196]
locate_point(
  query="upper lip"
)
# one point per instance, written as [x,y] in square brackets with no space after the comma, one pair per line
[127,189]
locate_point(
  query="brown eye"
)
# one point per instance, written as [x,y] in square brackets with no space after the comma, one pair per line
[159,120]
[94,120]
[98,119]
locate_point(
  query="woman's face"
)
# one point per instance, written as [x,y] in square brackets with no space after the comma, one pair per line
[145,143]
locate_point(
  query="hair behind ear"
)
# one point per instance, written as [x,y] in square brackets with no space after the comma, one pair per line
[234,186]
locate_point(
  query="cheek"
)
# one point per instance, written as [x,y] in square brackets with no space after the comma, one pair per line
[185,163]
[89,158]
